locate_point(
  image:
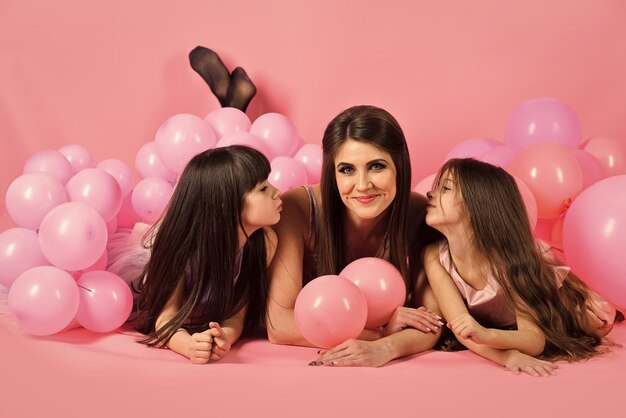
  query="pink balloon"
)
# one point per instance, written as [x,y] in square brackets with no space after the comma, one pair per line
[553,175]
[543,119]
[381,284]
[611,154]
[43,300]
[100,264]
[228,120]
[73,236]
[594,237]
[98,189]
[50,162]
[330,310]
[127,217]
[78,156]
[111,226]
[557,233]
[472,148]
[180,138]
[425,185]
[242,138]
[277,133]
[590,166]
[310,156]
[149,164]
[287,173]
[500,155]
[19,251]
[529,201]
[543,229]
[105,301]
[151,197]
[31,196]
[120,172]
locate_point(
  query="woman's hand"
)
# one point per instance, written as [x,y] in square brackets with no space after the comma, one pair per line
[200,347]
[419,319]
[355,353]
[465,326]
[519,362]
[221,346]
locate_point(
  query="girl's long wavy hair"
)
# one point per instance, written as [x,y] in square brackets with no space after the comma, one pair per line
[197,243]
[503,235]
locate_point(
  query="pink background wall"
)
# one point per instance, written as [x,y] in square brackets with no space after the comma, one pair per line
[106,74]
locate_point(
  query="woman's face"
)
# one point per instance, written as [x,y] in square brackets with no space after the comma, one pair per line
[445,206]
[366,178]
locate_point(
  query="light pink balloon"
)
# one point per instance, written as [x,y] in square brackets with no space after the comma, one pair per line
[611,154]
[529,201]
[553,175]
[425,185]
[277,133]
[127,217]
[227,120]
[19,251]
[43,300]
[330,310]
[78,156]
[500,155]
[150,198]
[98,189]
[105,301]
[50,162]
[381,284]
[120,172]
[73,236]
[31,196]
[540,120]
[472,148]
[243,138]
[149,164]
[310,156]
[287,173]
[590,166]
[180,138]
[594,237]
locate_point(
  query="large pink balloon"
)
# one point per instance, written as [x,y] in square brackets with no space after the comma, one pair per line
[610,153]
[19,251]
[500,155]
[43,300]
[50,162]
[127,217]
[227,120]
[31,196]
[472,148]
[121,173]
[98,189]
[150,198]
[381,284]
[242,138]
[180,138]
[73,236]
[149,164]
[553,175]
[287,173]
[330,310]
[105,301]
[543,119]
[78,156]
[277,133]
[529,201]
[594,237]
[310,156]
[590,166]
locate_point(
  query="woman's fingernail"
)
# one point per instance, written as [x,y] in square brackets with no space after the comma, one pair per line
[319,351]
[333,363]
[428,329]
[440,323]
[315,363]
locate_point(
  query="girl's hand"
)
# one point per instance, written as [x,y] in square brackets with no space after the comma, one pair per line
[200,347]
[354,353]
[221,346]
[519,362]
[465,326]
[419,319]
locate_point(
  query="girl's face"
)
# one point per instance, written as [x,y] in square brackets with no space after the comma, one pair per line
[366,178]
[445,207]
[261,207]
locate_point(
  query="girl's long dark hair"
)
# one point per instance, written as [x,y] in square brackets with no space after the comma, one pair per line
[197,243]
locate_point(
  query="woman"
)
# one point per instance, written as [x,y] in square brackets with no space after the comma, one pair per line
[362,208]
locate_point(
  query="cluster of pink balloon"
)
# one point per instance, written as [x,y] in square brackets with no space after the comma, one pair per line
[332,309]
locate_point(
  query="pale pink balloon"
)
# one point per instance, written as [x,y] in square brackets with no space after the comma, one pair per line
[105,301]
[553,175]
[180,138]
[472,148]
[594,237]
[43,300]
[500,155]
[50,162]
[31,196]
[611,154]
[120,172]
[287,173]
[78,156]
[243,138]
[98,189]
[329,310]
[19,251]
[112,226]
[277,133]
[228,120]
[127,217]
[310,156]
[543,119]
[73,236]
[425,185]
[149,164]
[381,284]
[150,198]
[529,201]
[590,166]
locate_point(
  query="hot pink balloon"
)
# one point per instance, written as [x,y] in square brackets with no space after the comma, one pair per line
[472,148]
[425,185]
[180,138]
[228,120]
[127,217]
[105,301]
[330,310]
[149,164]
[553,175]
[31,196]
[500,155]
[50,162]
[43,300]
[73,236]
[98,189]
[611,154]
[590,166]
[150,198]
[310,156]
[529,201]
[594,237]
[277,133]
[242,138]
[543,119]
[120,172]
[19,251]
[78,156]
[381,284]
[287,173]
